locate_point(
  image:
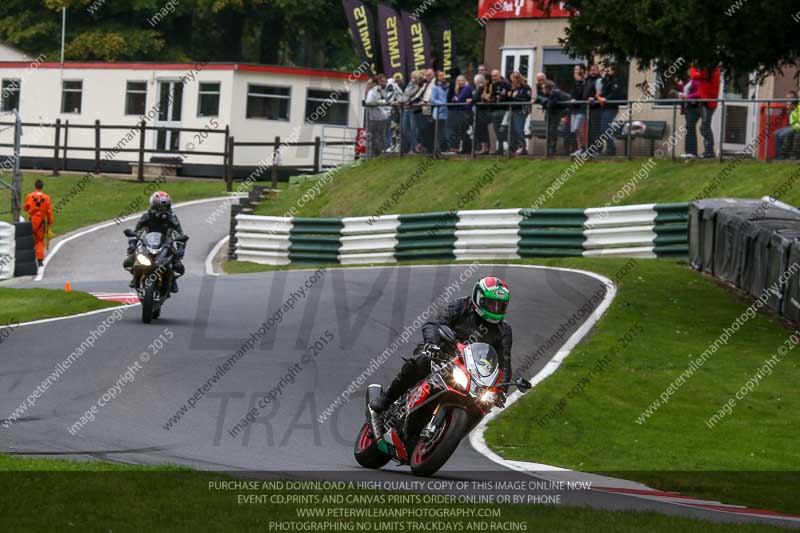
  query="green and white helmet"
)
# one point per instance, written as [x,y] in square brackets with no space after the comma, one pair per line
[490,299]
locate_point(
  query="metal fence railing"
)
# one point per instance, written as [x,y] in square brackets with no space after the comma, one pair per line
[675,129]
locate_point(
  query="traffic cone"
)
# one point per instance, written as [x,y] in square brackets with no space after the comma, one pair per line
[67,287]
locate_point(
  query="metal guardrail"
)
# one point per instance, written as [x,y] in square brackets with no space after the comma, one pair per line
[7,250]
[653,230]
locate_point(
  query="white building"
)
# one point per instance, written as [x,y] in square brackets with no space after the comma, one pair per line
[257,102]
[9,53]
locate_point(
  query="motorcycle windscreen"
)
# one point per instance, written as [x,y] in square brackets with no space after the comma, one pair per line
[153,241]
[482,363]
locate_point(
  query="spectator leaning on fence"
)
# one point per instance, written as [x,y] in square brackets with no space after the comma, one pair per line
[520,93]
[611,89]
[461,115]
[425,114]
[789,132]
[497,92]
[691,109]
[595,111]
[393,95]
[575,142]
[378,112]
[554,103]
[709,90]
[440,111]
[481,133]
[408,131]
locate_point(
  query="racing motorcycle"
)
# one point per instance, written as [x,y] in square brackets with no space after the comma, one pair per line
[152,269]
[424,427]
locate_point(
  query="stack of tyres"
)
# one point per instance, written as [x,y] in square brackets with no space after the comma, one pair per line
[755,268]
[791,293]
[6,250]
[25,261]
[780,244]
[702,229]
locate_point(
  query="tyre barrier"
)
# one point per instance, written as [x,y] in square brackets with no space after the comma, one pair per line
[25,253]
[652,230]
[751,244]
[7,250]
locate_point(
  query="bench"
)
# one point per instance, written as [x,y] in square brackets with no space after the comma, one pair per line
[654,131]
[159,167]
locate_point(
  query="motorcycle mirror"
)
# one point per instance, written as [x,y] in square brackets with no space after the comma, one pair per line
[447,334]
[523,385]
[129,233]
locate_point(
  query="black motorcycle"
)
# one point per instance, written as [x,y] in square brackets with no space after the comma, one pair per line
[153,271]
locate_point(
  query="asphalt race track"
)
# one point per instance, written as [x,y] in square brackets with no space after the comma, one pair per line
[355,314]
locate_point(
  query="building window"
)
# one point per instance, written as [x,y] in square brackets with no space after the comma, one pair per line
[521,60]
[71,97]
[208,100]
[9,98]
[327,107]
[136,98]
[267,102]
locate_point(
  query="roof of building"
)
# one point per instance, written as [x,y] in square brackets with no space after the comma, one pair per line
[245,67]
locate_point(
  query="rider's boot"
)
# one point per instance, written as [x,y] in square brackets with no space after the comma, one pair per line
[174,287]
[404,381]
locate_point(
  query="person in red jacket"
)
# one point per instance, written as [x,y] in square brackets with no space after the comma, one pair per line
[709,90]
[37,205]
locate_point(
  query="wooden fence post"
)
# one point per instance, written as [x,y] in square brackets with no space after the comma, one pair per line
[229,166]
[97,168]
[317,155]
[66,146]
[140,170]
[56,147]
[275,161]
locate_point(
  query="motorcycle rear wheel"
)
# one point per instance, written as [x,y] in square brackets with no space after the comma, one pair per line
[366,449]
[430,455]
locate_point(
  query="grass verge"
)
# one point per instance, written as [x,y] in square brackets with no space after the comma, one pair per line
[55,496]
[105,198]
[26,305]
[373,188]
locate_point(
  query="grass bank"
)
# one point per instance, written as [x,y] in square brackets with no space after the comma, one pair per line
[26,305]
[592,414]
[374,187]
[103,198]
[54,496]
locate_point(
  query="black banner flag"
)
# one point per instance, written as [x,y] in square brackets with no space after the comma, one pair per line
[392,39]
[418,42]
[363,28]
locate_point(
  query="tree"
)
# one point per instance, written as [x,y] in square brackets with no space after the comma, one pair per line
[740,35]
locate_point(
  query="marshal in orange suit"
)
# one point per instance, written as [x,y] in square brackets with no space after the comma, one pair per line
[37,205]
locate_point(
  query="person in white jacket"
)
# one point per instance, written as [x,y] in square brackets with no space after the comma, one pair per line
[378,112]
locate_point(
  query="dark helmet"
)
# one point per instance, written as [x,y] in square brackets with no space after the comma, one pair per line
[490,299]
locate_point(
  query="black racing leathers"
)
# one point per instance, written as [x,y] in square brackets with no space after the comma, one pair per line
[154,222]
[468,327]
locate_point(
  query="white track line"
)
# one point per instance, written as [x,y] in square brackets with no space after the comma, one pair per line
[81,315]
[102,225]
[214,251]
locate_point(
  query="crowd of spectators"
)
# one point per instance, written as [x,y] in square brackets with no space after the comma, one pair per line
[438,112]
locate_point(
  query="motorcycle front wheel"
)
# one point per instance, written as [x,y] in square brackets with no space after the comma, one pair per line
[148,302]
[366,449]
[431,454]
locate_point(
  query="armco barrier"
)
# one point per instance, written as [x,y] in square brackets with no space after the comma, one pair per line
[653,230]
[7,248]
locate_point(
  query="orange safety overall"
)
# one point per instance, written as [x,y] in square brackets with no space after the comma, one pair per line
[37,205]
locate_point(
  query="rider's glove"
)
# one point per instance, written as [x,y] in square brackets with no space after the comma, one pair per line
[433,350]
[500,401]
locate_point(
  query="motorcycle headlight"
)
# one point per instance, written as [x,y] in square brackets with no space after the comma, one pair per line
[144,260]
[487,397]
[460,377]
